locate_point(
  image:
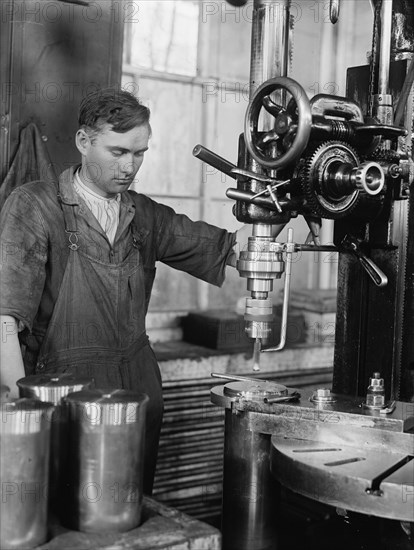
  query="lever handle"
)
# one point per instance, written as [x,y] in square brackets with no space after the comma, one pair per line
[286,292]
[223,165]
[334,11]
[235,378]
[374,272]
[215,160]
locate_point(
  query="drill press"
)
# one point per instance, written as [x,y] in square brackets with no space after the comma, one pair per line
[346,159]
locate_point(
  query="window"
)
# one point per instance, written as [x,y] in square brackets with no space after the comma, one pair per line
[163,36]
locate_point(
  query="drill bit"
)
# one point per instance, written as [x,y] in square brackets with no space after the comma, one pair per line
[256,354]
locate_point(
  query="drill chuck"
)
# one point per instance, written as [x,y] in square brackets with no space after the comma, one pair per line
[261,263]
[258,317]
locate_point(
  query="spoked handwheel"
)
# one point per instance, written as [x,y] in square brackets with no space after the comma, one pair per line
[291,129]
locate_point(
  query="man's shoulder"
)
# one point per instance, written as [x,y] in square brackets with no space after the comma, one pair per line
[144,201]
[50,188]
[35,199]
[146,208]
[139,198]
[37,189]
[150,215]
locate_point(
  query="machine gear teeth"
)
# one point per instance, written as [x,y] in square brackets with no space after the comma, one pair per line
[311,180]
[386,156]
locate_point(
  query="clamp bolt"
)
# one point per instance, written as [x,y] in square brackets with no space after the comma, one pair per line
[322,395]
[375,398]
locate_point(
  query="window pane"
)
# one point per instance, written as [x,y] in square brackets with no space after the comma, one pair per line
[164,35]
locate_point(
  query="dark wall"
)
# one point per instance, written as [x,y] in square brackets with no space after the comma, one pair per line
[53,52]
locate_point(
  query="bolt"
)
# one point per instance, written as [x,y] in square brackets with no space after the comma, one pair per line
[323,392]
[377,401]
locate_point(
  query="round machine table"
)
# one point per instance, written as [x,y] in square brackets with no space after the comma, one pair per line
[357,479]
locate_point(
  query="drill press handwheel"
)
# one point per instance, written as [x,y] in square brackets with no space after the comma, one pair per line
[288,124]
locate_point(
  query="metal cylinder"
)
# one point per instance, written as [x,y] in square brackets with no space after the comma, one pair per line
[258,317]
[106,442]
[269,58]
[53,388]
[261,263]
[262,230]
[385,47]
[269,41]
[24,468]
[249,518]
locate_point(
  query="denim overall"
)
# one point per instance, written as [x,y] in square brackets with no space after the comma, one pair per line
[97,329]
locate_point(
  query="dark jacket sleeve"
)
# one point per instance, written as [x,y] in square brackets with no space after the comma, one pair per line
[196,247]
[23,257]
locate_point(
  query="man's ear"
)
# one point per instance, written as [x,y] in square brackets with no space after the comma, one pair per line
[83,141]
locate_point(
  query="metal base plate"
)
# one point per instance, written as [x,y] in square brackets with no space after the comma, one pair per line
[255,390]
[353,478]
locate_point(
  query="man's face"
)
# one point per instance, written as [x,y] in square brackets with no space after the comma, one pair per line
[110,160]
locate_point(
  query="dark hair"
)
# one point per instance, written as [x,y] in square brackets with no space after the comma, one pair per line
[116,107]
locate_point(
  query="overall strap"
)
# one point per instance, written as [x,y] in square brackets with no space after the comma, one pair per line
[71,225]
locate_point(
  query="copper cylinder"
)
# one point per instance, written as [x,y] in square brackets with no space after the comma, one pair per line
[24,468]
[106,442]
[52,388]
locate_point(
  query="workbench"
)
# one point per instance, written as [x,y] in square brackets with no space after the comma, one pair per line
[162,528]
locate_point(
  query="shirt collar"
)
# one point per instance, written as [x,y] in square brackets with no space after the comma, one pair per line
[85,190]
[68,194]
[67,191]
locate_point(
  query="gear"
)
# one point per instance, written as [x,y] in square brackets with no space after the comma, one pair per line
[322,200]
[385,156]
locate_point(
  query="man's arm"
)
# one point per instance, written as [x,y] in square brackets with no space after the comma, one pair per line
[11,361]
[24,237]
[196,247]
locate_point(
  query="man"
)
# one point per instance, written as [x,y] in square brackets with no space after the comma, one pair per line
[79,258]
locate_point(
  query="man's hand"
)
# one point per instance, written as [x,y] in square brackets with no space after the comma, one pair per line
[11,361]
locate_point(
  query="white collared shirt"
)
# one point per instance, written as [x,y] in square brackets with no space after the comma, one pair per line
[106,211]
